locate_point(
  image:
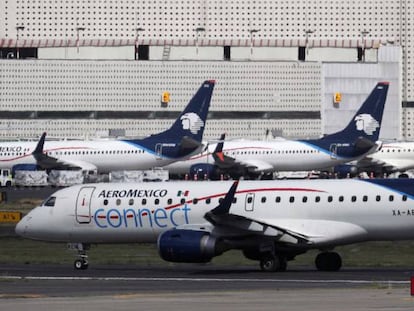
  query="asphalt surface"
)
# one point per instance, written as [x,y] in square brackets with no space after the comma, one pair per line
[62,280]
[201,287]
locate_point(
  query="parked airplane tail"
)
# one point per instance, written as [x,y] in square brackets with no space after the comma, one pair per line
[360,136]
[366,122]
[187,130]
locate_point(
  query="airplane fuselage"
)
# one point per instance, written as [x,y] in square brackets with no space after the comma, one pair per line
[327,212]
[398,156]
[105,155]
[269,156]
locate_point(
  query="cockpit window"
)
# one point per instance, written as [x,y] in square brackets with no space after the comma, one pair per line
[50,202]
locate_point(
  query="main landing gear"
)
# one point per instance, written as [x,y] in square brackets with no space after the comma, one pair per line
[273,263]
[328,261]
[324,261]
[81,263]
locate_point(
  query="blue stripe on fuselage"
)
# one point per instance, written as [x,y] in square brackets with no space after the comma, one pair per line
[136,145]
[323,150]
[404,186]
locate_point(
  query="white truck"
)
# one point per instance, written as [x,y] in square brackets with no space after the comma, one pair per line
[6,178]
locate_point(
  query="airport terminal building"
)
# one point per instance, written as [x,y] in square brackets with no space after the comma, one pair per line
[294,68]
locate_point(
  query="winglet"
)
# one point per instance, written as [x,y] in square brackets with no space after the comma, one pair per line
[40,145]
[224,206]
[218,152]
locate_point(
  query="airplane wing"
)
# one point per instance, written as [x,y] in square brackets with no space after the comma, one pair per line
[226,162]
[292,231]
[390,164]
[45,161]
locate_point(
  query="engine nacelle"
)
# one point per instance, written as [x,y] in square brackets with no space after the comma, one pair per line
[343,170]
[188,246]
[203,170]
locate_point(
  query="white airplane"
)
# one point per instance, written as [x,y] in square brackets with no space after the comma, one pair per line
[270,221]
[393,157]
[253,158]
[182,139]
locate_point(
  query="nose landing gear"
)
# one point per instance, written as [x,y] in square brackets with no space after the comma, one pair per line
[81,263]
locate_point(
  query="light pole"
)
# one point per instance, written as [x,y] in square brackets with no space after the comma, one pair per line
[364,33]
[252,31]
[138,30]
[18,29]
[307,33]
[78,29]
[198,30]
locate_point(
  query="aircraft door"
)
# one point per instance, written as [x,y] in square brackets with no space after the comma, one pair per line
[249,203]
[83,205]
[158,151]
[334,151]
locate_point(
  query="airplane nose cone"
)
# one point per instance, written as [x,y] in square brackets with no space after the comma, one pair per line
[21,227]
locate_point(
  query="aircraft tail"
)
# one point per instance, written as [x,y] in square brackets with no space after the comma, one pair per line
[191,122]
[187,131]
[366,123]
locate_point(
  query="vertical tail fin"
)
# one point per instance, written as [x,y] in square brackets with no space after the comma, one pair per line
[366,123]
[192,120]
[186,134]
[361,134]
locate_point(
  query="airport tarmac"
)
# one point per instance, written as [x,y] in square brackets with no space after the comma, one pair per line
[208,287]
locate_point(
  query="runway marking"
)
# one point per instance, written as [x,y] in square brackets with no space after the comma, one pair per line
[146,279]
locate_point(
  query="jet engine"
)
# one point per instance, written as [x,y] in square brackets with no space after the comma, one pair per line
[204,170]
[188,246]
[346,170]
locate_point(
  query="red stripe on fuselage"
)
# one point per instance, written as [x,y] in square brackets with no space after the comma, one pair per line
[223,194]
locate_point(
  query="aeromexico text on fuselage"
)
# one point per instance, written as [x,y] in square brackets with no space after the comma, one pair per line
[133,193]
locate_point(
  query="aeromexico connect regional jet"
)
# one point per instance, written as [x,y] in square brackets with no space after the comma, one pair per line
[270,221]
[251,158]
[182,139]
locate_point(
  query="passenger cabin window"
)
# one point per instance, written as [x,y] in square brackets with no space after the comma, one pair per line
[378,198]
[277,199]
[292,199]
[353,198]
[341,198]
[50,202]
[404,198]
[317,199]
[330,198]
[391,198]
[305,199]
[263,200]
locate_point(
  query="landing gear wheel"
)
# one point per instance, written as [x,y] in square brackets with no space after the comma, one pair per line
[273,263]
[81,264]
[328,261]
